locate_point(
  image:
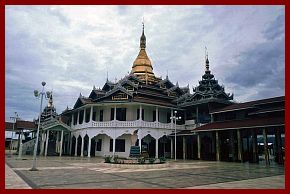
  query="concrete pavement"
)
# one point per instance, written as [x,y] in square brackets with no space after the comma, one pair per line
[77,172]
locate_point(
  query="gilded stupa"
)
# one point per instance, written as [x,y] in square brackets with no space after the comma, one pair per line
[142,66]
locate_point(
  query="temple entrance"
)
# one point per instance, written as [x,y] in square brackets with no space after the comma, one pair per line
[164,147]
[148,145]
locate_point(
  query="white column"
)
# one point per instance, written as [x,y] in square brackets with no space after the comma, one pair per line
[82,148]
[61,142]
[89,148]
[171,119]
[140,141]
[157,114]
[76,147]
[46,146]
[114,143]
[42,143]
[156,149]
[140,113]
[91,114]
[78,118]
[184,147]
[115,113]
[84,117]
[172,151]
[70,144]
[198,147]
[72,119]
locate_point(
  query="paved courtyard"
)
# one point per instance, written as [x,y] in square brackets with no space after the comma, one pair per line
[89,173]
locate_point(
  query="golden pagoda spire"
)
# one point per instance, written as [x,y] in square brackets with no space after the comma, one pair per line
[142,66]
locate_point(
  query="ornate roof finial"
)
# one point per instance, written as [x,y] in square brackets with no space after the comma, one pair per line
[107,76]
[206,60]
[80,95]
[177,85]
[143,38]
[94,88]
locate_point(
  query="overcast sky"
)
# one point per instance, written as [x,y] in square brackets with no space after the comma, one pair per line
[73,47]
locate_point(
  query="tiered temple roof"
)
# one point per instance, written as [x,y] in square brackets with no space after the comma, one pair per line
[49,111]
[208,90]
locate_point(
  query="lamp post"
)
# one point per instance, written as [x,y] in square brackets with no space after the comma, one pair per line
[14,122]
[38,94]
[175,118]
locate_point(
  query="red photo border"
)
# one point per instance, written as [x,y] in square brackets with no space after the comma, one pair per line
[134,2]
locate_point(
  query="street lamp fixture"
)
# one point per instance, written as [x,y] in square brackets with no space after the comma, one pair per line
[38,94]
[175,118]
[13,128]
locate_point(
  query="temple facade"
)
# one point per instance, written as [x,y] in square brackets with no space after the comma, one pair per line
[142,103]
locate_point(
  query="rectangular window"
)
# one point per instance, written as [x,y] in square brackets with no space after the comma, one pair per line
[101,115]
[120,145]
[112,113]
[121,114]
[94,116]
[99,145]
[138,114]
[154,115]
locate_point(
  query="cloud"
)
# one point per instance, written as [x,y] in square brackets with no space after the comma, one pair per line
[73,47]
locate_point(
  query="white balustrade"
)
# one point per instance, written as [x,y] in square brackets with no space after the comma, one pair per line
[126,124]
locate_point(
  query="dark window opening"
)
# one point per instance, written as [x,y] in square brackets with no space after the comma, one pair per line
[121,114]
[101,115]
[99,145]
[119,145]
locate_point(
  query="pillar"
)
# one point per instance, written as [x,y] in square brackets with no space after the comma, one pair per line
[78,118]
[84,117]
[140,113]
[57,142]
[70,143]
[140,141]
[240,153]
[46,145]
[184,147]
[115,113]
[267,160]
[156,148]
[254,145]
[172,151]
[198,146]
[157,114]
[89,148]
[42,143]
[91,114]
[232,144]
[278,140]
[217,145]
[114,145]
[72,119]
[82,148]
[171,119]
[61,142]
[76,147]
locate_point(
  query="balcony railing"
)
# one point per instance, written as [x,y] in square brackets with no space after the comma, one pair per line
[126,124]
